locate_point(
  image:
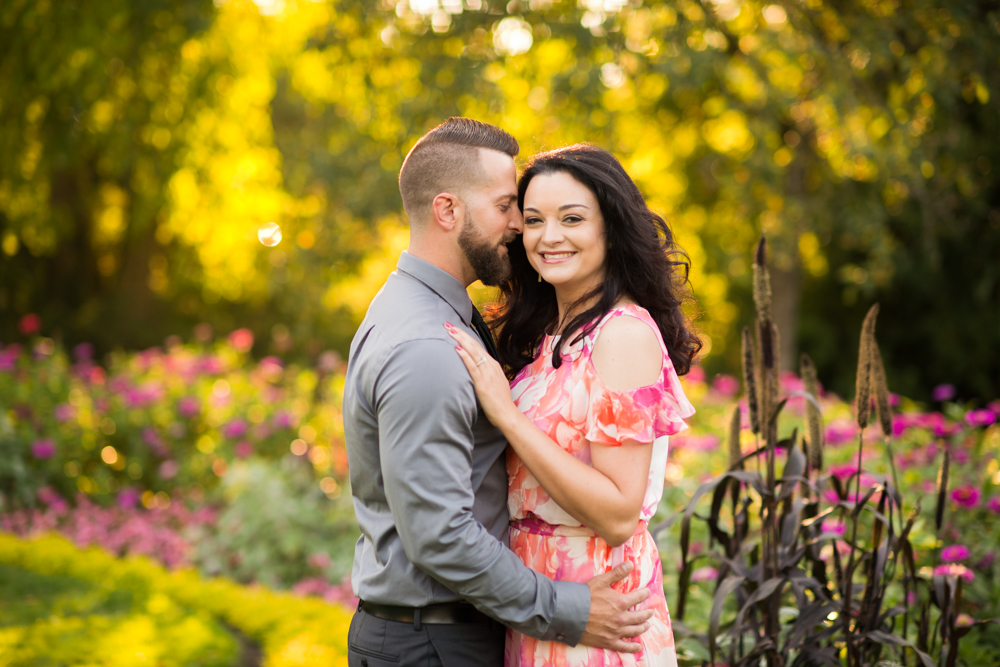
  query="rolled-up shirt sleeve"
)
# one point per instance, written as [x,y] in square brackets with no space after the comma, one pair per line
[426,407]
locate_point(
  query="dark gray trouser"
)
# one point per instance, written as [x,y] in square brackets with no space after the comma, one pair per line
[374,642]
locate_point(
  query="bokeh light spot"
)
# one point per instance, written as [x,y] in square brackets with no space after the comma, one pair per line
[269,234]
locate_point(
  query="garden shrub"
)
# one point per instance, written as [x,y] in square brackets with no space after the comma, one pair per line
[176,618]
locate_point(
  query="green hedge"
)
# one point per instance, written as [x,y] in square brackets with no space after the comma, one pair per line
[98,609]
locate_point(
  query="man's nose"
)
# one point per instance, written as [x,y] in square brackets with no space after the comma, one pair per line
[516,221]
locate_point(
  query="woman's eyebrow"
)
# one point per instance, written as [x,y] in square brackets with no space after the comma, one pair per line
[561,208]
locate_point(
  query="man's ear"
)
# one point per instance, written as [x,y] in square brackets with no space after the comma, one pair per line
[448,211]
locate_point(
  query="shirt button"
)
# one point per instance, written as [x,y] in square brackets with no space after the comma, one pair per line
[560,637]
[364,663]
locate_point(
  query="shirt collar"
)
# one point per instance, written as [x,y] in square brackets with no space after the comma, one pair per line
[440,282]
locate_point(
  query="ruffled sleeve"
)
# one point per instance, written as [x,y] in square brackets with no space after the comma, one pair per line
[642,414]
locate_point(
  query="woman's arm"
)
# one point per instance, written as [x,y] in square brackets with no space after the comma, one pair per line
[606,497]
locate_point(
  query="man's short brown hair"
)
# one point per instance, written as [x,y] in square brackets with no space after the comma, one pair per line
[446,159]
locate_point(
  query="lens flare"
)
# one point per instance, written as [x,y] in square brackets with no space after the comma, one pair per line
[269,234]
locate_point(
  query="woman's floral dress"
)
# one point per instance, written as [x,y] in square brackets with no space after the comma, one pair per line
[574,408]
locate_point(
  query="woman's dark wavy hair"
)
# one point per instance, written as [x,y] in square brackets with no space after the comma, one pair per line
[643,262]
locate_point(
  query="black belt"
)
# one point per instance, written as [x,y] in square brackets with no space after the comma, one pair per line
[446,613]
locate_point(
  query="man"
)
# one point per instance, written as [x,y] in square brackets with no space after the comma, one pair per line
[427,469]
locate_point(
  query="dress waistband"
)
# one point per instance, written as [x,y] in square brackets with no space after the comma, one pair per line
[532,524]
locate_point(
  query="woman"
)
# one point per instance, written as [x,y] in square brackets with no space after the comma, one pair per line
[592,333]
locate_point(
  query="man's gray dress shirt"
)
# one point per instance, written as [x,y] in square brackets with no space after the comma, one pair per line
[428,472]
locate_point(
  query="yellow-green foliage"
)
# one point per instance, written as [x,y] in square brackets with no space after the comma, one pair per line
[177,625]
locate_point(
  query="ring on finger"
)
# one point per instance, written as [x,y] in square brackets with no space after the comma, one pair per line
[481,361]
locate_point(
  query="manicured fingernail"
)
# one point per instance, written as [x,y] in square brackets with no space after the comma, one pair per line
[449,325]
[458,347]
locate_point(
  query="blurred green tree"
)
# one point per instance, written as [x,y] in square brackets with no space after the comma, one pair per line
[859,136]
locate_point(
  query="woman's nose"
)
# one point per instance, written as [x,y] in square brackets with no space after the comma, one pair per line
[551,234]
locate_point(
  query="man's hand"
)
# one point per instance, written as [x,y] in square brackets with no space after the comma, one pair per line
[611,620]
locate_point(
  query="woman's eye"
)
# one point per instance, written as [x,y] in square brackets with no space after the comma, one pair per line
[572,219]
[531,221]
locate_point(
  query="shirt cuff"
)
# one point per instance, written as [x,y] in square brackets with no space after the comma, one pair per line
[572,612]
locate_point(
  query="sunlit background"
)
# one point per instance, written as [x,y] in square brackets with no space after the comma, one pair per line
[146,146]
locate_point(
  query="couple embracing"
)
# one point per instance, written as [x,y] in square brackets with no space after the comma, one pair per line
[503,487]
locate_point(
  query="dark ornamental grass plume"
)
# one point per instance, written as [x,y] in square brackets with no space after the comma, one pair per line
[761,281]
[735,452]
[881,389]
[942,490]
[814,420]
[750,380]
[863,386]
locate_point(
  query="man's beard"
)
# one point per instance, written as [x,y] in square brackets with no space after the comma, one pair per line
[490,266]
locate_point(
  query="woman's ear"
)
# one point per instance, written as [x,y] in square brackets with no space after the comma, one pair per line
[448,211]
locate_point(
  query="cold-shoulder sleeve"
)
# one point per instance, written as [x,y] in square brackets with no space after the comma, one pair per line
[642,414]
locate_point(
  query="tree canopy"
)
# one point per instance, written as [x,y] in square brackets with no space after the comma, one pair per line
[145,144]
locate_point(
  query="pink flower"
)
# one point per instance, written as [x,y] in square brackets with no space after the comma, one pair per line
[707,573]
[30,324]
[954,553]
[994,406]
[64,412]
[155,441]
[699,443]
[696,374]
[833,526]
[963,620]
[994,504]
[241,340]
[319,560]
[128,498]
[188,407]
[955,570]
[980,417]
[839,432]
[966,496]
[726,385]
[168,469]
[943,392]
[234,429]
[243,449]
[43,449]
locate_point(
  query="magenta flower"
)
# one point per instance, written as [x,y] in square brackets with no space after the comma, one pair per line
[234,429]
[83,352]
[833,526]
[980,417]
[8,357]
[243,449]
[128,498]
[943,392]
[839,432]
[994,407]
[43,449]
[965,496]
[955,570]
[994,504]
[283,419]
[955,553]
